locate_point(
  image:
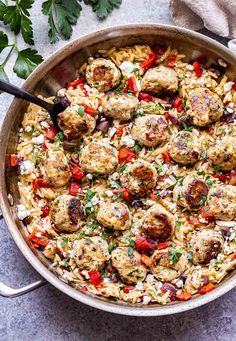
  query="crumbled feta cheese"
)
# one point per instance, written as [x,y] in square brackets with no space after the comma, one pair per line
[109,193]
[114,176]
[150,202]
[146,299]
[38,139]
[106,280]
[111,132]
[85,274]
[189,67]
[89,176]
[230,110]
[139,286]
[231,105]
[221,62]
[220,257]
[27,167]
[45,124]
[28,129]
[127,68]
[95,200]
[61,92]
[228,86]
[222,223]
[106,141]
[128,141]
[179,283]
[22,212]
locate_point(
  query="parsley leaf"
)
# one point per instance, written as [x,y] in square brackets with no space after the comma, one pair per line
[114,184]
[3,75]
[18,18]
[103,7]
[174,255]
[3,41]
[111,246]
[61,15]
[26,62]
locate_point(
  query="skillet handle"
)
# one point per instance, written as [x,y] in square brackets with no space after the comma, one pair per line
[10,292]
[7,291]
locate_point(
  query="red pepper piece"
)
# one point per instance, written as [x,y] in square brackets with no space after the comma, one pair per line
[162,246]
[77,172]
[39,183]
[75,82]
[144,245]
[51,132]
[119,131]
[131,84]
[183,295]
[45,211]
[43,145]
[171,61]
[177,104]
[74,188]
[197,69]
[145,97]
[13,160]
[147,64]
[128,289]
[166,157]
[193,220]
[206,288]
[90,110]
[40,240]
[126,155]
[95,278]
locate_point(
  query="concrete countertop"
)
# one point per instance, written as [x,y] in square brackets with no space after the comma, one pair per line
[47,314]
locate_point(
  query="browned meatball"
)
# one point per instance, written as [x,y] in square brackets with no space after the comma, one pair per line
[190,192]
[158,223]
[205,245]
[139,177]
[56,168]
[119,106]
[102,74]
[223,153]
[114,215]
[66,213]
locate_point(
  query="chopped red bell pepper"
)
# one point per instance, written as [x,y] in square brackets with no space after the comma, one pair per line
[144,245]
[126,195]
[166,115]
[40,183]
[172,290]
[159,50]
[206,213]
[74,188]
[95,278]
[128,289]
[232,179]
[193,220]
[75,83]
[13,160]
[222,177]
[131,84]
[126,155]
[51,132]
[77,172]
[40,240]
[166,157]
[206,288]
[45,211]
[146,260]
[153,197]
[177,104]
[43,145]
[119,131]
[197,69]
[90,110]
[211,130]
[183,295]
[145,97]
[171,61]
[162,246]
[233,256]
[147,64]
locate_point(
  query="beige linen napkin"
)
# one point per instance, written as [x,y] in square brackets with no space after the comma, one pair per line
[218,16]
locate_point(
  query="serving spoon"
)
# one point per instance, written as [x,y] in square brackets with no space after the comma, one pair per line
[53,109]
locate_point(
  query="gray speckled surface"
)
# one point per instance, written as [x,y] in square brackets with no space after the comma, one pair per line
[47,314]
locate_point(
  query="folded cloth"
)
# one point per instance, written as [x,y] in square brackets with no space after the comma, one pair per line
[218,16]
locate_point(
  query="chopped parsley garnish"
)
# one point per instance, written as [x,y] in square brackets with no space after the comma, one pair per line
[209,182]
[187,128]
[130,241]
[178,225]
[89,206]
[174,255]
[92,226]
[80,111]
[189,256]
[130,251]
[114,184]
[202,201]
[203,154]
[111,246]
[123,169]
[59,137]
[136,148]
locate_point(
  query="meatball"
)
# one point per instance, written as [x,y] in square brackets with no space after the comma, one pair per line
[158,223]
[66,213]
[56,168]
[165,267]
[102,74]
[205,107]
[222,202]
[223,153]
[158,79]
[91,253]
[150,130]
[190,192]
[114,215]
[74,122]
[205,245]
[98,157]
[185,148]
[119,106]
[139,177]
[128,266]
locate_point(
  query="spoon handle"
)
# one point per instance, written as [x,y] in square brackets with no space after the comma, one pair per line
[17,92]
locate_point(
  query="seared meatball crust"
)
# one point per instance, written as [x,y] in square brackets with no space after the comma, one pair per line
[158,223]
[119,106]
[56,168]
[222,202]
[190,192]
[185,148]
[150,130]
[205,107]
[66,213]
[129,267]
[98,157]
[160,79]
[139,177]
[162,267]
[223,153]
[102,74]
[205,245]
[114,215]
[75,123]
[91,253]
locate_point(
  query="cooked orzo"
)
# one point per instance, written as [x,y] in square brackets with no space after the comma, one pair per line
[135,198]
